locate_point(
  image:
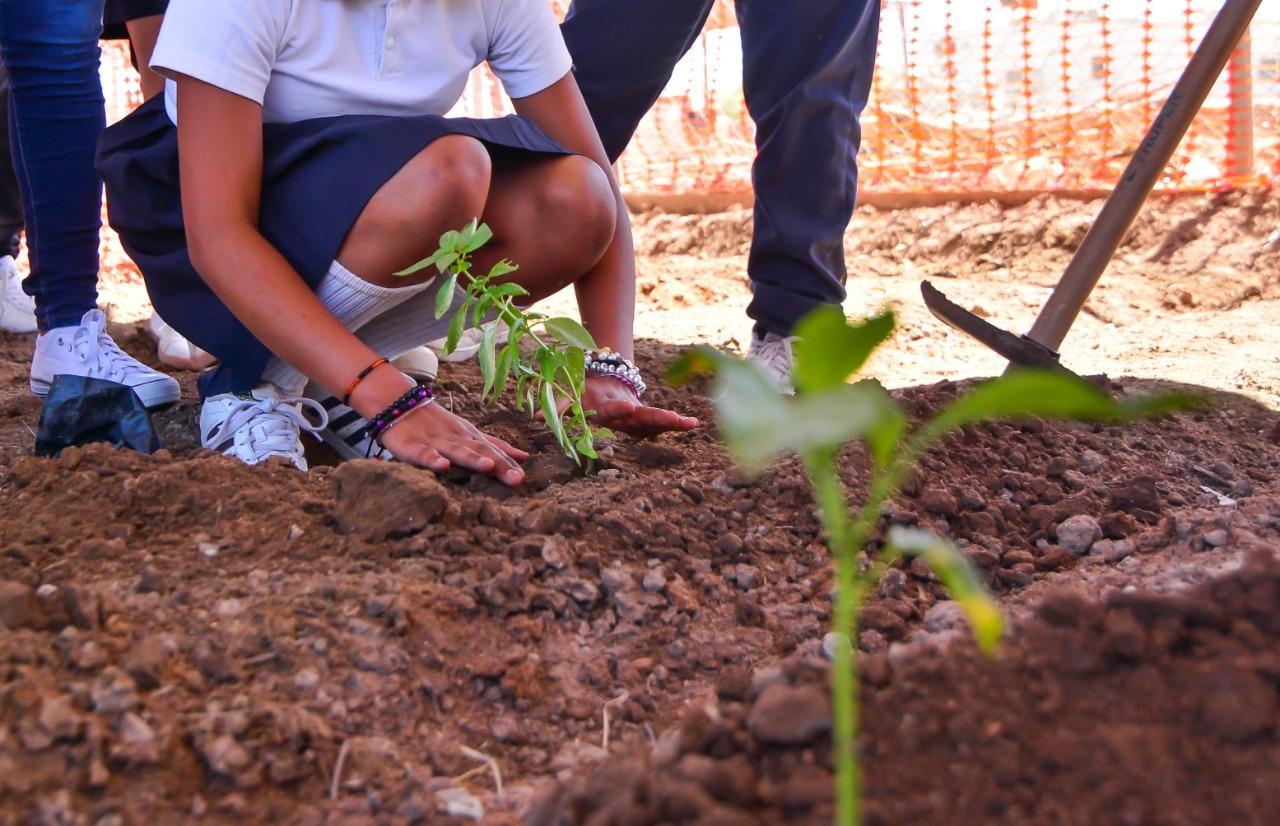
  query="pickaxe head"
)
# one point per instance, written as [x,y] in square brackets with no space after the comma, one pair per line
[1019,350]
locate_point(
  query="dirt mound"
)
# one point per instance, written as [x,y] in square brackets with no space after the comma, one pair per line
[1210,251]
[186,636]
[1134,709]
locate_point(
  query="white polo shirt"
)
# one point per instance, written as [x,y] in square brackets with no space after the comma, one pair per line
[303,59]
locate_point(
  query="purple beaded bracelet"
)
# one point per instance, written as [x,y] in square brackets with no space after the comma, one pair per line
[419,395]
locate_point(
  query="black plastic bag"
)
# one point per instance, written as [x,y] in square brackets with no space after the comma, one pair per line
[81,410]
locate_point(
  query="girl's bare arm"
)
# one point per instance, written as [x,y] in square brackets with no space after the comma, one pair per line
[220,155]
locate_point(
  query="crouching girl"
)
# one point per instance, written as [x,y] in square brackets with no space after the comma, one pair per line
[300,157]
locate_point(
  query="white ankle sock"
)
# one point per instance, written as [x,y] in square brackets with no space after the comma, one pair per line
[353,301]
[409,324]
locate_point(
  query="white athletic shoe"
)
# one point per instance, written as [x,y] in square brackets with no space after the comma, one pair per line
[773,354]
[258,425]
[87,350]
[419,364]
[17,309]
[176,351]
[345,431]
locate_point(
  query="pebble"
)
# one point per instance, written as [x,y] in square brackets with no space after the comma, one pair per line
[1078,533]
[943,616]
[136,744]
[1216,538]
[830,641]
[306,680]
[227,608]
[556,552]
[114,692]
[458,802]
[655,580]
[224,756]
[208,549]
[1091,461]
[748,577]
[46,590]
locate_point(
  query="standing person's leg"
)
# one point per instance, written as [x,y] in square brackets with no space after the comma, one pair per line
[17,310]
[57,114]
[807,77]
[10,197]
[56,111]
[623,54]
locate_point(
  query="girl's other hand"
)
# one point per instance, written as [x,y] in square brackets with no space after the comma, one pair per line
[617,408]
[434,438]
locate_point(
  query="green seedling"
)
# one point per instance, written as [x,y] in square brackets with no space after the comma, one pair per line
[553,371]
[760,425]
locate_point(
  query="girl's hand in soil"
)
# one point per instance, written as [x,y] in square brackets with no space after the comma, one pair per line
[617,408]
[434,438]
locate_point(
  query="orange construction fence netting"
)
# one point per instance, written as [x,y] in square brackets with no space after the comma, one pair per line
[969,97]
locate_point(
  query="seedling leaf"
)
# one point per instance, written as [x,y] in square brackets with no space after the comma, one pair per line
[445,260]
[503,267]
[456,327]
[759,424]
[1053,394]
[570,332]
[477,238]
[421,265]
[957,574]
[829,349]
[444,297]
[488,358]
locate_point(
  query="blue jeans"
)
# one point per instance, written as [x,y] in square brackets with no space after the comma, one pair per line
[806,76]
[56,110]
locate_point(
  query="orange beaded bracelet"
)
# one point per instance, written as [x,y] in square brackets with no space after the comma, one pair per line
[351,388]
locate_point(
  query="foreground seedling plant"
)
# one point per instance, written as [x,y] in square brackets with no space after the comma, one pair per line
[760,425]
[554,371]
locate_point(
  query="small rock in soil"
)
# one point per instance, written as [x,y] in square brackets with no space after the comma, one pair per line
[556,552]
[223,755]
[655,580]
[1078,533]
[747,576]
[114,692]
[136,742]
[790,715]
[943,616]
[1216,538]
[1091,461]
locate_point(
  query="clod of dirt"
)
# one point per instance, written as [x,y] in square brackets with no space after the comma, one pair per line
[790,715]
[385,500]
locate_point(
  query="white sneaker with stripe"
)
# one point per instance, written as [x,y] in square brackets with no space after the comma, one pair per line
[258,425]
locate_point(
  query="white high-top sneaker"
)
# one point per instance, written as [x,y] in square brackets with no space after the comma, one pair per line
[258,425]
[17,309]
[87,350]
[346,432]
[773,354]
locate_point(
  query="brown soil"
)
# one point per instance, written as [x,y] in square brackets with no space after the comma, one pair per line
[182,636]
[1136,709]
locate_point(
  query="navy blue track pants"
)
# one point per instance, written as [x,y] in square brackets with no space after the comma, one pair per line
[807,68]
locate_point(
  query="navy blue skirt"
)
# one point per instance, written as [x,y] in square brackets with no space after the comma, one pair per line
[317,177]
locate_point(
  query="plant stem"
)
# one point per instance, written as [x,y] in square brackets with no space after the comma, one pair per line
[833,510]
